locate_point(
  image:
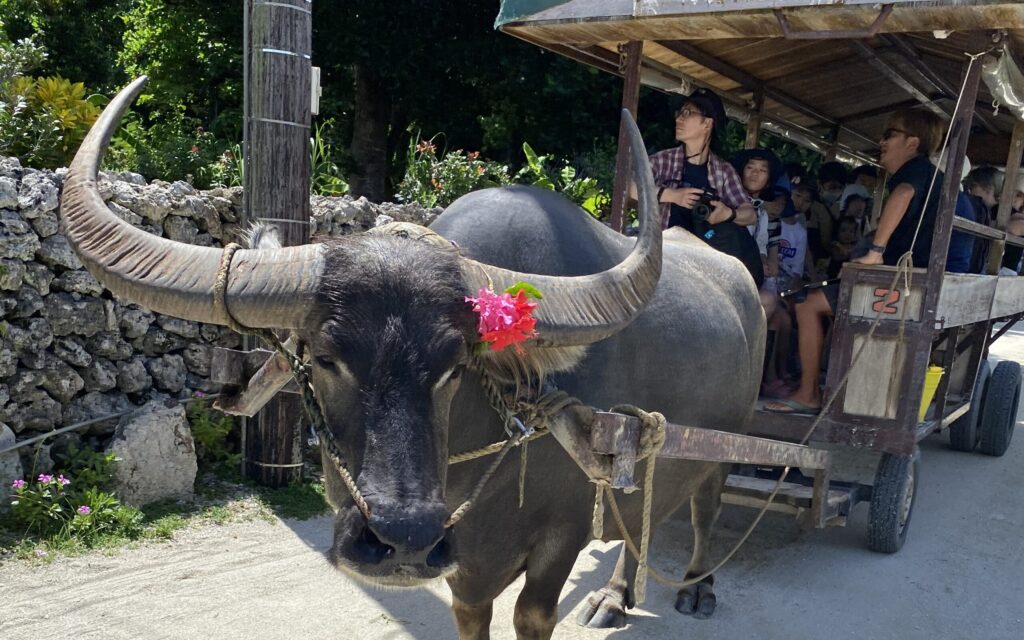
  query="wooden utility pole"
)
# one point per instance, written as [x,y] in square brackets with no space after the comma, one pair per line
[278,45]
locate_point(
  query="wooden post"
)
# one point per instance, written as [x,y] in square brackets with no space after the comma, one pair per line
[754,123]
[960,132]
[630,68]
[995,252]
[277,176]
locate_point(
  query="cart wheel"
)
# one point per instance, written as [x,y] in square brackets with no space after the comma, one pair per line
[999,414]
[892,502]
[963,433]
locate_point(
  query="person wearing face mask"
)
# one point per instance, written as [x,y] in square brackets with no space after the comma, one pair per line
[687,173]
[832,178]
[914,193]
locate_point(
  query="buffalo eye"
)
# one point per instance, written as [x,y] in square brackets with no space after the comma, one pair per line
[451,375]
[327,364]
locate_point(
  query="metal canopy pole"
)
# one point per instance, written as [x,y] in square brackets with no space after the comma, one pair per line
[279,39]
[630,67]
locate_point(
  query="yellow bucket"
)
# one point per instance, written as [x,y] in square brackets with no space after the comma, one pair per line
[931,383]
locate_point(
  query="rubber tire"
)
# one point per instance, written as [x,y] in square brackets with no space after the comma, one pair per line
[999,415]
[963,433]
[895,476]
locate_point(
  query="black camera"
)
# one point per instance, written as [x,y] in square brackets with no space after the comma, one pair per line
[703,207]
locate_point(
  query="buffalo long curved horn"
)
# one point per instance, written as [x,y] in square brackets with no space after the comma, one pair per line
[579,310]
[265,289]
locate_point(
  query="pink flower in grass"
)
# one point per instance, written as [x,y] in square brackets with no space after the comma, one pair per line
[44,478]
[18,484]
[63,481]
[84,510]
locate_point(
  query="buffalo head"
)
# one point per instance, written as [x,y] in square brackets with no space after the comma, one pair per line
[388,333]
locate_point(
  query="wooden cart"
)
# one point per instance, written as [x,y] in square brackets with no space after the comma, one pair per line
[825,74]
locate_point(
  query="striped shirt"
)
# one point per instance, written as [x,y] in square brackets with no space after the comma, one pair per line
[668,165]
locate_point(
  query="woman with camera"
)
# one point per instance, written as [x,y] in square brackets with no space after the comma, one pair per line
[701,192]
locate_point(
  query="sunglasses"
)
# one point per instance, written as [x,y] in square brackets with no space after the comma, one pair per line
[889,133]
[687,112]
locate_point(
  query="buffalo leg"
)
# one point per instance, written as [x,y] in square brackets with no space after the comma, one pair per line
[706,503]
[547,568]
[606,607]
[473,621]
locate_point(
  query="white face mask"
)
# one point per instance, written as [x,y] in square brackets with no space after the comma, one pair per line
[829,197]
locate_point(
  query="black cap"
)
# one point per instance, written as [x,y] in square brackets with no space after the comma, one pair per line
[710,106]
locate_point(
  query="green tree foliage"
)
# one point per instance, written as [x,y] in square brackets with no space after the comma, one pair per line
[192,53]
[440,66]
[82,37]
[42,120]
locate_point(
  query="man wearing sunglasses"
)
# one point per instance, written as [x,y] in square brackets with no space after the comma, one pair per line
[686,173]
[911,136]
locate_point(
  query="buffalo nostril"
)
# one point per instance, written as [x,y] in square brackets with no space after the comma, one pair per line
[441,554]
[369,549]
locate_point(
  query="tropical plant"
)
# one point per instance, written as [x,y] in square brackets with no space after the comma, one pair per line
[437,182]
[210,430]
[584,191]
[325,177]
[48,507]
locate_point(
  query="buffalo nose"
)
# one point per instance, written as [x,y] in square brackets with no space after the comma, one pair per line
[414,534]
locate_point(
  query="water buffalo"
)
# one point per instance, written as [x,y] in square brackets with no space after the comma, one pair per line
[390,337]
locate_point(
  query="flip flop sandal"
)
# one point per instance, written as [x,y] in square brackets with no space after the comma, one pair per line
[793,407]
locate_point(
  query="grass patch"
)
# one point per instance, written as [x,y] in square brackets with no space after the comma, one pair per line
[299,501]
[217,502]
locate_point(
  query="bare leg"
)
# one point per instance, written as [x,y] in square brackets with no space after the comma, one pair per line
[783,327]
[472,621]
[699,599]
[606,607]
[811,341]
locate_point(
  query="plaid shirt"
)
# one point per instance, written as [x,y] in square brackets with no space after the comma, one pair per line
[667,167]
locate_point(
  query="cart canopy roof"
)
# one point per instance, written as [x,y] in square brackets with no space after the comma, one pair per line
[824,69]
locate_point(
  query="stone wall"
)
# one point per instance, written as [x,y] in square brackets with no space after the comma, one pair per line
[70,350]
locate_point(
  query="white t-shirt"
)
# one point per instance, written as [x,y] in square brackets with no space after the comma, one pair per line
[792,248]
[760,230]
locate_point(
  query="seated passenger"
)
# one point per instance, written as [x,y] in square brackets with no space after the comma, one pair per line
[862,183]
[684,173]
[910,137]
[832,179]
[843,246]
[818,224]
[983,186]
[1012,254]
[759,169]
[856,207]
[961,245]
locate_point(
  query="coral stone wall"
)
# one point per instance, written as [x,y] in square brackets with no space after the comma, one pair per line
[70,350]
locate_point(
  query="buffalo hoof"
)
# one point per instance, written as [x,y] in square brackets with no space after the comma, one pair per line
[697,600]
[604,609]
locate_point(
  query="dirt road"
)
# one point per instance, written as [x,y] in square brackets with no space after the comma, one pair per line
[959,576]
